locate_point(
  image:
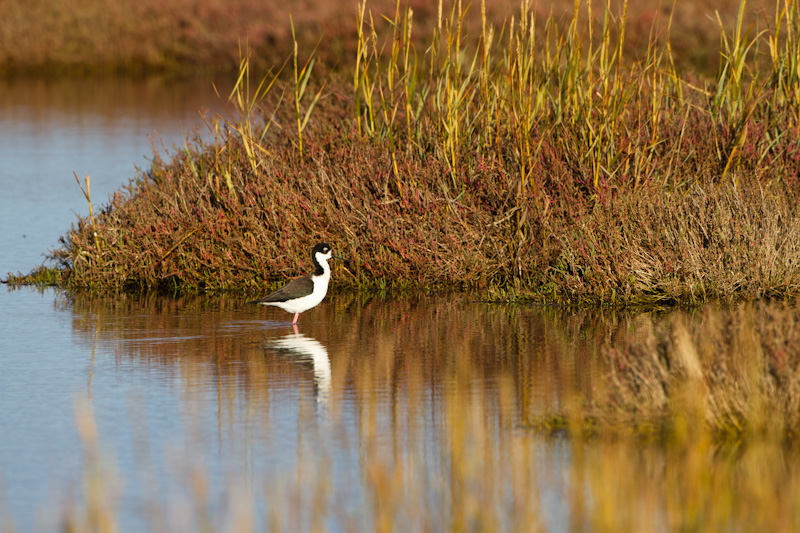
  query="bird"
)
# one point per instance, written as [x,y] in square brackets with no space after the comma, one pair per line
[302,294]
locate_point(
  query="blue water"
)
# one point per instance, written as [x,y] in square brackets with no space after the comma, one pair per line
[49,129]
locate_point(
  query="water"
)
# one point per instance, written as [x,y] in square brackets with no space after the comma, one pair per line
[407,413]
[232,390]
[49,129]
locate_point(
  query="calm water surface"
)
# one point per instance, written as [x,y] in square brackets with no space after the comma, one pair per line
[103,127]
[408,413]
[233,391]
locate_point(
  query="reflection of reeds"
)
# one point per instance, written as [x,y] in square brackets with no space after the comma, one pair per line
[439,396]
[483,477]
[735,370]
[688,486]
[97,511]
[536,356]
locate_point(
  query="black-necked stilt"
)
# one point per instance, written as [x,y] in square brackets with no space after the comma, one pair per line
[304,293]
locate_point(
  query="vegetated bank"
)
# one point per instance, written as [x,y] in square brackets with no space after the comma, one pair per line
[526,160]
[186,36]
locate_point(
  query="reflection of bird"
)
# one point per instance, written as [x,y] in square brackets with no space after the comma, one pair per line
[304,293]
[306,347]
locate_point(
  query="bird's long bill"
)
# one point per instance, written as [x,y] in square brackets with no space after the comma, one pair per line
[340,258]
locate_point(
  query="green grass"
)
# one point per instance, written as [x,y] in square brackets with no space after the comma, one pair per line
[41,276]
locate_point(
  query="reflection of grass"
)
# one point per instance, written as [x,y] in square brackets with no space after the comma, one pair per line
[483,481]
[439,416]
[693,485]
[735,372]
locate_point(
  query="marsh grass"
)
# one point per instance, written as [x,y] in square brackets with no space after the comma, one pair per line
[531,159]
[185,36]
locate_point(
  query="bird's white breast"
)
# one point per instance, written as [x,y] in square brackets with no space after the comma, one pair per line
[304,303]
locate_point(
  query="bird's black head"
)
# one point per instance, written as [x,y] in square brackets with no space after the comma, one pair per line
[323,248]
[320,255]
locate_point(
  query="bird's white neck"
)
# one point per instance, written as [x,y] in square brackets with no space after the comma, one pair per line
[321,278]
[323,269]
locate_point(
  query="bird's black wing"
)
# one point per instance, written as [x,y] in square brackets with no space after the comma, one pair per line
[294,289]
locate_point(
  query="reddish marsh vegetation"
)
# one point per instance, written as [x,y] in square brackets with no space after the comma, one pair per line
[528,159]
[40,36]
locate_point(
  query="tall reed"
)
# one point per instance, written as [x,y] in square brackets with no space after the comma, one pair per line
[301,79]
[247,102]
[87,193]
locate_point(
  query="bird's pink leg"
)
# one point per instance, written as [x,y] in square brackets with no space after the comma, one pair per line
[296,316]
